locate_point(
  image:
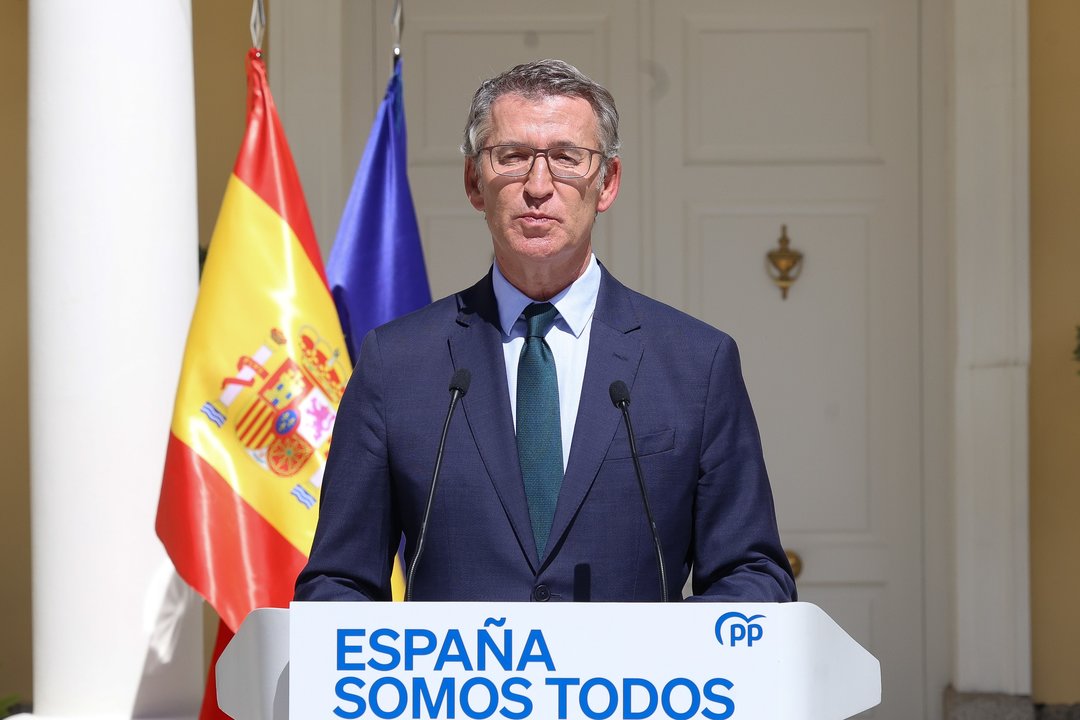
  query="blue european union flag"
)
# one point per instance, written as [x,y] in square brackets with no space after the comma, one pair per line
[376,267]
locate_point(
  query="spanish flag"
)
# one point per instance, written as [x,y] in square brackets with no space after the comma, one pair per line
[264,369]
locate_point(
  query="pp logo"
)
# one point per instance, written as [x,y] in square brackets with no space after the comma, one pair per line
[740,629]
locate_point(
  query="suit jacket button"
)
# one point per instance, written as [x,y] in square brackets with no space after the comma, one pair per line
[541,593]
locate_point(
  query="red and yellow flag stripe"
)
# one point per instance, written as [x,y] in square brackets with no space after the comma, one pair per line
[239,503]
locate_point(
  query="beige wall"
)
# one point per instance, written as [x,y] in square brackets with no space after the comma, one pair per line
[1055,384]
[14,441]
[222,39]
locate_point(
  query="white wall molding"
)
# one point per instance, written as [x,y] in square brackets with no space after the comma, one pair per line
[988,195]
[936,371]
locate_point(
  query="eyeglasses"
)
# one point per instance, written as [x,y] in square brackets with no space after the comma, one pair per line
[563,162]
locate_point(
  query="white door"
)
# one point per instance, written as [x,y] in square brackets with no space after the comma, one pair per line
[738,117]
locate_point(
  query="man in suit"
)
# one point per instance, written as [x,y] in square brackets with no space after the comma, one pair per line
[537,497]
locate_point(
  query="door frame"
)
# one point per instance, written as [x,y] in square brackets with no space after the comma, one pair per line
[976,333]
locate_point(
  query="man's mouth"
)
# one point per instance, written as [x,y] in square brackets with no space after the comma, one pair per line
[535,218]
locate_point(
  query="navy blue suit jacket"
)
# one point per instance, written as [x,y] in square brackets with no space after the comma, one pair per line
[695,431]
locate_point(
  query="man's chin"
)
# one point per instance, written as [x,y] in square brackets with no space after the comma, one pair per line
[546,232]
[536,243]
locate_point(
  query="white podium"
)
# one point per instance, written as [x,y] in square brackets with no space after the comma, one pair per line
[564,661]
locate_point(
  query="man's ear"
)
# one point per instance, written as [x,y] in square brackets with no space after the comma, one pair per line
[610,189]
[472,184]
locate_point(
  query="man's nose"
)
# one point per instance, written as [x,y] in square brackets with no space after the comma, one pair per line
[538,182]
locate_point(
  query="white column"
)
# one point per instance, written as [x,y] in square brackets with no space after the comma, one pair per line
[989,201]
[113,277]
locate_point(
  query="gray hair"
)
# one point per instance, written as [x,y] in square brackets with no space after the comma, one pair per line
[540,79]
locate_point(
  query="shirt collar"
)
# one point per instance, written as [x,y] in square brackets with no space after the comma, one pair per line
[575,303]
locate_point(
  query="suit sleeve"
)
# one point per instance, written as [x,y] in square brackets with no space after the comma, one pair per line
[737,552]
[356,539]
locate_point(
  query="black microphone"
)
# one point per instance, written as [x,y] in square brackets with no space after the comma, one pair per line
[620,398]
[459,385]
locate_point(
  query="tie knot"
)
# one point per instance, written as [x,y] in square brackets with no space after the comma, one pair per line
[539,317]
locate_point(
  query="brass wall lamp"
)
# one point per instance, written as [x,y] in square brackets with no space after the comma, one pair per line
[784,265]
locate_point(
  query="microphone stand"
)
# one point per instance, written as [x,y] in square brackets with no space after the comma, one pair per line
[459,385]
[620,397]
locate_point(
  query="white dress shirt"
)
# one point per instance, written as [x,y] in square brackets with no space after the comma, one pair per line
[568,339]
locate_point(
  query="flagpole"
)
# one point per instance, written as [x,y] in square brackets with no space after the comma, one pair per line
[398,21]
[258,23]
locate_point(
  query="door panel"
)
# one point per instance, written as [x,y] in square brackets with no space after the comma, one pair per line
[810,395]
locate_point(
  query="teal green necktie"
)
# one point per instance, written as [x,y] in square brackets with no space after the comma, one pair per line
[539,432]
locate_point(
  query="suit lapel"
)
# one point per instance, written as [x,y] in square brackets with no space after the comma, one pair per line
[614,354]
[476,344]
